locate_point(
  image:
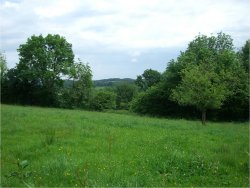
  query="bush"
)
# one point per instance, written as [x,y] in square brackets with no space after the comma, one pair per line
[103,100]
[155,101]
[124,95]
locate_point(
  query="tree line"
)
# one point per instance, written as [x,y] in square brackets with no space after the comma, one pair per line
[209,79]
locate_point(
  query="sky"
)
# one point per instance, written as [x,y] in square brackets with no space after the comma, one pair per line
[122,38]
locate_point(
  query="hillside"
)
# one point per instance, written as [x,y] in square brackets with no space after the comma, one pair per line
[104,82]
[112,82]
[53,147]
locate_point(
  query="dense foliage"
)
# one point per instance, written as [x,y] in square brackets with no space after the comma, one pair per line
[38,76]
[112,82]
[210,76]
[77,95]
[3,66]
[124,95]
[147,79]
[201,87]
[102,100]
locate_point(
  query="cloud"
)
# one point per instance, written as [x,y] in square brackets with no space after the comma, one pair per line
[133,29]
[51,9]
[134,56]
[10,5]
[134,60]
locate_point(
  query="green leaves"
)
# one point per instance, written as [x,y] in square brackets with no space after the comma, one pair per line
[147,79]
[200,87]
[78,95]
[21,173]
[43,62]
[125,93]
[208,74]
[103,100]
[3,65]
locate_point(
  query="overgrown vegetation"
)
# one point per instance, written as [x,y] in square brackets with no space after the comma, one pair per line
[71,148]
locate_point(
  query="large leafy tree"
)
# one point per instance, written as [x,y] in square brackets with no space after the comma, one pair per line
[44,61]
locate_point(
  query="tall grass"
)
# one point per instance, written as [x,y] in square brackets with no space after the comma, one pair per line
[74,148]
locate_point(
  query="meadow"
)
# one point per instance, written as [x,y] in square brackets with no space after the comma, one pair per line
[73,148]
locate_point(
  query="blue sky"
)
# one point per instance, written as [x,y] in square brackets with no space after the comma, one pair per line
[122,38]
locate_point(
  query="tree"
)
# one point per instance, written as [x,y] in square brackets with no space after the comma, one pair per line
[78,94]
[201,87]
[124,95]
[140,82]
[244,55]
[103,100]
[43,62]
[152,101]
[237,105]
[82,83]
[3,65]
[147,79]
[4,70]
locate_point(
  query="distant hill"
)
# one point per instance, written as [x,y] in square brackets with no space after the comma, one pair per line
[112,81]
[104,82]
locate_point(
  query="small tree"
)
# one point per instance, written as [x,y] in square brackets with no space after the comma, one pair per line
[77,93]
[201,87]
[82,84]
[103,100]
[3,66]
[4,71]
[124,95]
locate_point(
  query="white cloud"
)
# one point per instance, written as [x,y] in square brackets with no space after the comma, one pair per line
[134,60]
[135,53]
[11,5]
[151,24]
[51,9]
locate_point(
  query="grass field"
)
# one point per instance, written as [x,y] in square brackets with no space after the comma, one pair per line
[71,148]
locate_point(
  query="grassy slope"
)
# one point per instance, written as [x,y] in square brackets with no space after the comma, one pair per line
[80,148]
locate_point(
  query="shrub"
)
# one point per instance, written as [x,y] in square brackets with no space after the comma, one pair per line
[103,100]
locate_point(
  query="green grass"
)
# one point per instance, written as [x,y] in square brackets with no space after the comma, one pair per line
[74,148]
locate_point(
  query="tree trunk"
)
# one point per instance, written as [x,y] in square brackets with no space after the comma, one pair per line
[203,118]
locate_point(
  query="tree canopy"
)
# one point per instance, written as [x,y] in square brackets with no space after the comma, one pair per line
[209,75]
[147,79]
[3,65]
[201,87]
[78,94]
[42,64]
